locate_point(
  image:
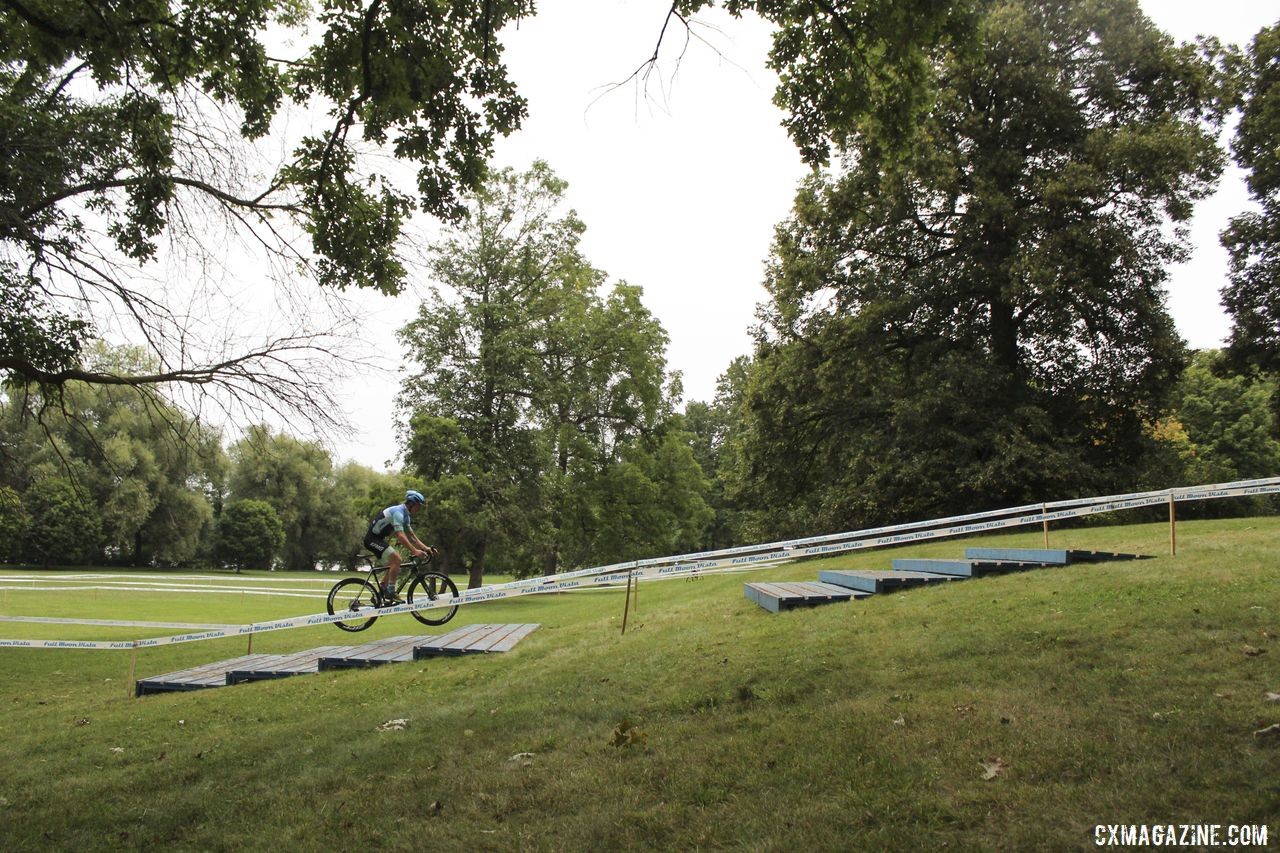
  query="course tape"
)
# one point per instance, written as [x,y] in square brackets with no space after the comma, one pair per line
[730,559]
[114,623]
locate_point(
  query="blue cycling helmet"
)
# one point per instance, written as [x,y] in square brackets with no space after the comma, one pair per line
[412,497]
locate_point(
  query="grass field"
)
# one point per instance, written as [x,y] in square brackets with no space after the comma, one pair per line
[1009,713]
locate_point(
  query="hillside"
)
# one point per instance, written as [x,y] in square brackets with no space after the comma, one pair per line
[1116,693]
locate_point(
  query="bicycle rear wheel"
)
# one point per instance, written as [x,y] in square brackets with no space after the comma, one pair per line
[357,597]
[433,585]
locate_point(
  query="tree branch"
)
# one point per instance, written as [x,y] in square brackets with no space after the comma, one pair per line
[121,183]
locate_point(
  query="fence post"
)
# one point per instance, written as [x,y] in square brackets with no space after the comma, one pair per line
[1044,510]
[1173,532]
[627,603]
[133,664]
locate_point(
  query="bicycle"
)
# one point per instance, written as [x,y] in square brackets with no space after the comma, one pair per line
[362,596]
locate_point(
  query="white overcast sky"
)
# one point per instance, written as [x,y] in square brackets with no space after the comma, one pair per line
[680,189]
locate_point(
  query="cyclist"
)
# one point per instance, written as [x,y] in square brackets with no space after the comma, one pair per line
[390,532]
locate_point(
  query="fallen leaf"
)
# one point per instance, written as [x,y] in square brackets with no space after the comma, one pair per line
[964,709]
[625,734]
[1273,697]
[524,759]
[394,726]
[83,721]
[117,749]
[901,721]
[992,769]
[1253,651]
[1272,731]
[436,807]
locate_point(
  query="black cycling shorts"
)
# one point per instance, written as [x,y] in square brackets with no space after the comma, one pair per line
[376,544]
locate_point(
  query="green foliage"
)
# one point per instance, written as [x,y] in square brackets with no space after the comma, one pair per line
[250,535]
[149,470]
[1252,297]
[14,524]
[715,432]
[1221,427]
[978,319]
[356,494]
[295,478]
[1229,421]
[855,69]
[533,382]
[124,125]
[65,525]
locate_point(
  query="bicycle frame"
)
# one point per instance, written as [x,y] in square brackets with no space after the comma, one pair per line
[412,568]
[414,574]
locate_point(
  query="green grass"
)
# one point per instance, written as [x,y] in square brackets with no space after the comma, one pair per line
[1108,693]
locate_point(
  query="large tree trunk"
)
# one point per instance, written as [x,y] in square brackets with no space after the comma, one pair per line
[476,578]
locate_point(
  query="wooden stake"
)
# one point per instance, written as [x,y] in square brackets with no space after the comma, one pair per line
[249,651]
[627,604]
[1045,511]
[133,667]
[1173,532]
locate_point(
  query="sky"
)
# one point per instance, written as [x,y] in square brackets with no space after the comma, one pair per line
[681,179]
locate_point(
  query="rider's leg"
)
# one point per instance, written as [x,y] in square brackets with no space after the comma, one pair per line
[393,569]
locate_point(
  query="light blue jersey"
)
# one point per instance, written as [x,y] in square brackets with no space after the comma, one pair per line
[393,519]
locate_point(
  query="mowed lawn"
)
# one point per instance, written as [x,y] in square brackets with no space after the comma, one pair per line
[1011,713]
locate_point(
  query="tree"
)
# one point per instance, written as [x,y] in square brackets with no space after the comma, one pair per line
[65,527]
[149,469]
[715,431]
[1252,298]
[250,535]
[650,498]
[978,317]
[126,125]
[1228,421]
[122,125]
[531,378]
[295,478]
[357,493]
[14,524]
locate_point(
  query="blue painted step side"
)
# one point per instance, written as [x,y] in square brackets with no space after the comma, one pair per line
[1046,556]
[875,580]
[956,568]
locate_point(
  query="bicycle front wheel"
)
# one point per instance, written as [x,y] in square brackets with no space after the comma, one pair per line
[433,585]
[356,597]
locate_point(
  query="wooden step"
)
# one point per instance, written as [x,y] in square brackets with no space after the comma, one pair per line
[465,640]
[962,568]
[283,666]
[197,677]
[776,597]
[474,639]
[876,580]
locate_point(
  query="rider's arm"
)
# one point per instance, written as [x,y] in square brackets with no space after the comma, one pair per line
[423,545]
[409,542]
